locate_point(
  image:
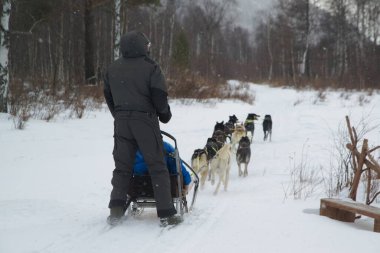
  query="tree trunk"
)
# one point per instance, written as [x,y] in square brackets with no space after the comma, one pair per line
[161,50]
[306,57]
[305,61]
[89,44]
[270,76]
[172,9]
[4,58]
[293,64]
[117,29]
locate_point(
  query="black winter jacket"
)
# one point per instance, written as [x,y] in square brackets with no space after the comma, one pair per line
[135,82]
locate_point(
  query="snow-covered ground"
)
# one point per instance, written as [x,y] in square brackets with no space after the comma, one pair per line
[55,182]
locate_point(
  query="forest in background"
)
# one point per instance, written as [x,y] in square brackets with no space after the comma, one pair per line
[58,49]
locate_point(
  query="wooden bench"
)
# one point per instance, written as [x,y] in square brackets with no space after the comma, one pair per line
[346,211]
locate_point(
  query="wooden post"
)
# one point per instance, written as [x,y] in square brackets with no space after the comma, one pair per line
[359,159]
[359,169]
[354,142]
[350,130]
[374,164]
[369,181]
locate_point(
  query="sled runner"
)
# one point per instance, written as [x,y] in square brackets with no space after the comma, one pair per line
[141,195]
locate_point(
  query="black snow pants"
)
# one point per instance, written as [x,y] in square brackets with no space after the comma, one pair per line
[140,130]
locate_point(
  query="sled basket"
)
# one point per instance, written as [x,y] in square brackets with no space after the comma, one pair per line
[141,186]
[141,194]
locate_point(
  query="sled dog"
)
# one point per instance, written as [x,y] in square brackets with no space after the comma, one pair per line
[233,119]
[243,155]
[267,127]
[221,165]
[236,136]
[199,163]
[249,125]
[219,133]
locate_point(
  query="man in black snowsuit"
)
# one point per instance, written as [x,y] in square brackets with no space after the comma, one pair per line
[136,94]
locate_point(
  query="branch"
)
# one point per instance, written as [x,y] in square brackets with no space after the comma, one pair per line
[361,157]
[373,199]
[35,23]
[369,180]
[30,32]
[350,131]
[372,166]
[96,3]
[363,154]
[376,165]
[371,150]
[355,135]
[350,146]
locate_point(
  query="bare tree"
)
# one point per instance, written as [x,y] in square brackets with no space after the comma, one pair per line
[89,37]
[4,49]
[213,15]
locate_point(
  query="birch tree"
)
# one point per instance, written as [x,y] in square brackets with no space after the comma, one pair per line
[305,66]
[4,48]
[117,29]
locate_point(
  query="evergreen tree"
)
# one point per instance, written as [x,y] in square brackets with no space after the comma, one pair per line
[181,52]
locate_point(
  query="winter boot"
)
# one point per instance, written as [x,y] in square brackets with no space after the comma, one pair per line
[116,215]
[171,220]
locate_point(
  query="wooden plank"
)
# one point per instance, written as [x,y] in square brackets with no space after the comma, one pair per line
[376,227]
[346,216]
[352,207]
[336,213]
[345,211]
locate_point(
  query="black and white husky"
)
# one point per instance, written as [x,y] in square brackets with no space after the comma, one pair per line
[267,127]
[219,133]
[249,124]
[201,158]
[243,155]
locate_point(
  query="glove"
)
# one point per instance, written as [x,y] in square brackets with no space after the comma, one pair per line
[185,190]
[166,116]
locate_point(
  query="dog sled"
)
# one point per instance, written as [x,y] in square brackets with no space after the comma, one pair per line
[141,194]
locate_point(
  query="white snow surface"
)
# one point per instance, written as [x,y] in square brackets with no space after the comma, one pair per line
[55,182]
